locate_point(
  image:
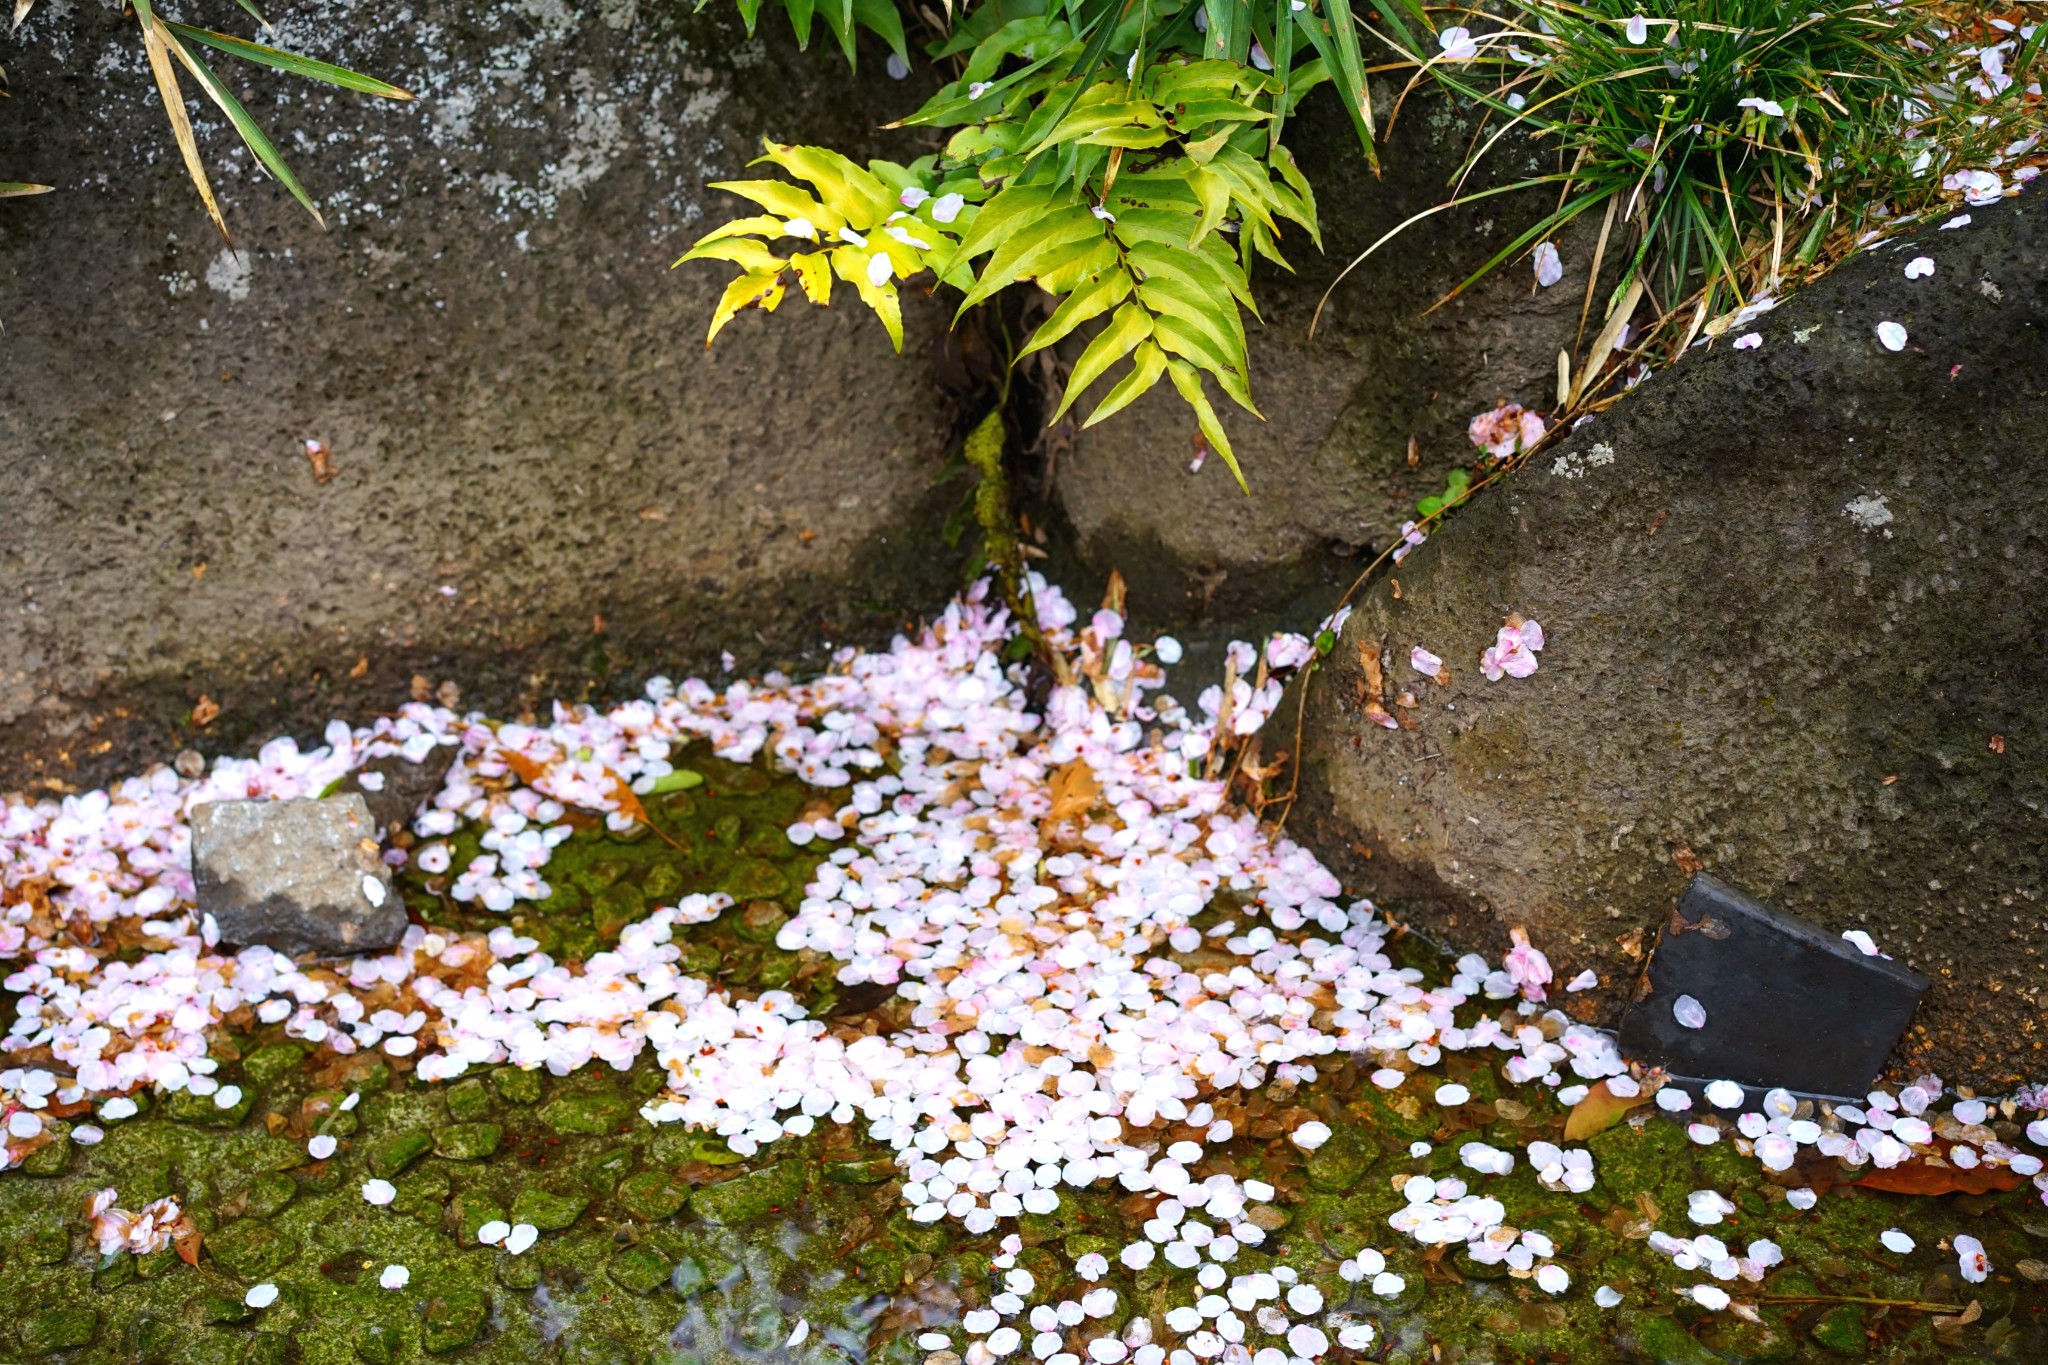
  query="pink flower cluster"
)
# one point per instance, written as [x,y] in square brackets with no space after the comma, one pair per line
[1506,430]
[1513,651]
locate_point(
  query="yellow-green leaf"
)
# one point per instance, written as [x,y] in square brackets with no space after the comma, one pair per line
[743,252]
[787,201]
[1088,301]
[1148,362]
[1189,382]
[814,273]
[1214,192]
[325,72]
[751,290]
[1130,326]
[174,107]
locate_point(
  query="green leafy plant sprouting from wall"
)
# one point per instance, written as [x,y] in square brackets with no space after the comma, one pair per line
[1124,155]
[1127,157]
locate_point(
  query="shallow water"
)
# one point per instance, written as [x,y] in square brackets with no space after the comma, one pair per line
[661,1244]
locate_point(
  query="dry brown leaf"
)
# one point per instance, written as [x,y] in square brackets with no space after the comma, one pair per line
[1923,1176]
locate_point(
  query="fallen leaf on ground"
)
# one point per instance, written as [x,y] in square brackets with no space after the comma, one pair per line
[1601,1110]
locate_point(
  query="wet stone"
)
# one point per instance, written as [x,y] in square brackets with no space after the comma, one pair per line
[546,1210]
[1666,1342]
[587,1115]
[58,1329]
[224,1309]
[760,921]
[113,1272]
[1341,1163]
[470,1212]
[44,1246]
[518,1272]
[639,1269]
[1742,991]
[751,1195]
[394,789]
[51,1159]
[468,1141]
[298,876]
[387,1158]
[871,1171]
[651,1195]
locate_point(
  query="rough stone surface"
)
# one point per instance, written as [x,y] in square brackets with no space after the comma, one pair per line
[543,484]
[394,787]
[1328,467]
[1794,598]
[297,876]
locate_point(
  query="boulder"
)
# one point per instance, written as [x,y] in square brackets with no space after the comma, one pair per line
[539,482]
[1793,600]
[298,876]
[1328,466]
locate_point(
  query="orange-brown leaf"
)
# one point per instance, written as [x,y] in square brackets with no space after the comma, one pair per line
[1599,1111]
[1921,1176]
[1074,789]
[530,771]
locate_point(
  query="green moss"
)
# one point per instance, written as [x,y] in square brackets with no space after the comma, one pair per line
[651,1196]
[469,1100]
[389,1156]
[452,1319]
[587,1115]
[273,1061]
[250,1248]
[751,1195]
[516,1086]
[53,1158]
[546,1210]
[468,1141]
[1840,1329]
[58,1329]
[639,1269]
[755,879]
[872,1171]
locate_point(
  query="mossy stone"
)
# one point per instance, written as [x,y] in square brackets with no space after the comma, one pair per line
[156,1263]
[153,1341]
[469,1100]
[688,1278]
[453,1319]
[378,1344]
[468,1141]
[586,1115]
[113,1272]
[274,1154]
[755,879]
[204,1112]
[776,970]
[639,1269]
[546,1210]
[596,875]
[751,1195]
[272,1060]
[515,1086]
[608,1170]
[218,1309]
[393,1154]
[58,1329]
[727,828]
[269,1348]
[269,1193]
[701,959]
[662,881]
[470,1212]
[651,1195]
[518,1272]
[45,1246]
[867,1171]
[1664,1341]
[250,1248]
[1840,1329]
[760,921]
[1341,1163]
[53,1158]
[611,911]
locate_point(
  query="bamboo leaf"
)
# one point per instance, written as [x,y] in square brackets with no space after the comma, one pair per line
[325,72]
[15,189]
[1230,30]
[21,9]
[1335,39]
[174,107]
[1130,326]
[257,141]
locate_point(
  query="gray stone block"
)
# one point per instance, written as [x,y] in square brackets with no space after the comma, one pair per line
[298,876]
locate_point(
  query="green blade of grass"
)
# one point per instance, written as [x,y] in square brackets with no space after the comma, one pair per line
[16,189]
[308,67]
[253,136]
